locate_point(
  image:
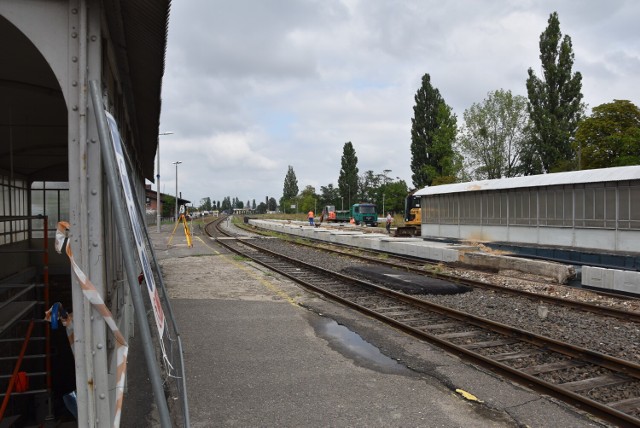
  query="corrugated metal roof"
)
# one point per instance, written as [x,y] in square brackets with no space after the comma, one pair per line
[139,29]
[621,173]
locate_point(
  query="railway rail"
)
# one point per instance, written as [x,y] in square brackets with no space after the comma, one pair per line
[426,267]
[605,386]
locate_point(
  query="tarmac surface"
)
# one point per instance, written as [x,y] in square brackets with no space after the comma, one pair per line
[260,351]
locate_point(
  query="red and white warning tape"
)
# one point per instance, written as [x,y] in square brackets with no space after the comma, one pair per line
[90,293]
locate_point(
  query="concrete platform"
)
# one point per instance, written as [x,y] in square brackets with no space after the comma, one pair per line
[417,247]
[260,351]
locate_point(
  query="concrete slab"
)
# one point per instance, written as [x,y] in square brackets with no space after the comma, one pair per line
[561,273]
[448,253]
[611,279]
[256,355]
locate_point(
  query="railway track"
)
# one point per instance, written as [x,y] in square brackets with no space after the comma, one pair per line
[605,386]
[426,267]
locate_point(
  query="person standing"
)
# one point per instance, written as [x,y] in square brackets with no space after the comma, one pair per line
[310,217]
[389,220]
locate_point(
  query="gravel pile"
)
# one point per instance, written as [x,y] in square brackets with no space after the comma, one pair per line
[609,336]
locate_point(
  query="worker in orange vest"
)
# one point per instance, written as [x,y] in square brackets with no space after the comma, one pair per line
[310,217]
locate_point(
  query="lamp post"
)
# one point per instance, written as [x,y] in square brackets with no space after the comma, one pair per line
[158,199]
[383,204]
[176,163]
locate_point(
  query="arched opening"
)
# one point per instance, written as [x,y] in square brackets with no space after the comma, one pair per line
[33,181]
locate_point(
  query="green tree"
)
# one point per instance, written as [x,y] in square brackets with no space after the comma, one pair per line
[494,134]
[329,195]
[610,137]
[348,179]
[261,208]
[168,206]
[289,189]
[368,184]
[555,104]
[205,204]
[391,196]
[308,199]
[433,132]
[272,204]
[226,204]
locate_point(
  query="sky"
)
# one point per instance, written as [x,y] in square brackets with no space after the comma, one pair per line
[253,86]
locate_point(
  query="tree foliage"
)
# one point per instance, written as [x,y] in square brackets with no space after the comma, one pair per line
[555,104]
[289,190]
[226,203]
[433,132]
[610,137]
[272,204]
[368,183]
[206,204]
[329,195]
[494,134]
[348,179]
[391,196]
[261,208]
[168,206]
[308,199]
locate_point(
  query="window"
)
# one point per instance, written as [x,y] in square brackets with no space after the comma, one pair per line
[579,207]
[13,203]
[610,207]
[51,199]
[634,207]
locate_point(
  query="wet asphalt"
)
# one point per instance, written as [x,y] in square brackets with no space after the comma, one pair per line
[261,352]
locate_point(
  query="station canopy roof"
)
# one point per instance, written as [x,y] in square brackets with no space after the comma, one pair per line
[622,173]
[33,113]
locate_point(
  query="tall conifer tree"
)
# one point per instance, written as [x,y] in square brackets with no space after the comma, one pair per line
[555,104]
[433,132]
[348,179]
[289,189]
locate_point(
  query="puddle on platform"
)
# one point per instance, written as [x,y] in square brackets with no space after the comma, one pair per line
[352,346]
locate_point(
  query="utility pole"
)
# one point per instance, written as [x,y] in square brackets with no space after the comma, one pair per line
[158,198]
[176,163]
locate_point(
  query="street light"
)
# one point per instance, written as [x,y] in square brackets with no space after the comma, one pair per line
[158,199]
[383,204]
[176,163]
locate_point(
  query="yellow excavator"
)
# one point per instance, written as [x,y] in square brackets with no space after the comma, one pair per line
[412,217]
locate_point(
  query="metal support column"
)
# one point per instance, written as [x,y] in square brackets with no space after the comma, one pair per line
[124,231]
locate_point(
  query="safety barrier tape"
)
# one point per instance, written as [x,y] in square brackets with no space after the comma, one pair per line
[90,293]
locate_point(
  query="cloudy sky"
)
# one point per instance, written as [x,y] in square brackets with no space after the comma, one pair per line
[252,86]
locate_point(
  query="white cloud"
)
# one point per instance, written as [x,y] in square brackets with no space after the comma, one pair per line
[254,86]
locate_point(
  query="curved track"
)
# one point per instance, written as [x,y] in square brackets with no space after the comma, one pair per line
[602,385]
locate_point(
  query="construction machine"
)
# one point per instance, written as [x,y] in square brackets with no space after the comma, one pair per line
[412,217]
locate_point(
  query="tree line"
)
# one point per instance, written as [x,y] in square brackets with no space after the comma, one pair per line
[228,204]
[509,135]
